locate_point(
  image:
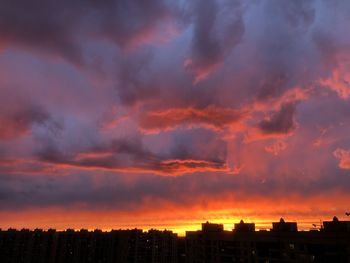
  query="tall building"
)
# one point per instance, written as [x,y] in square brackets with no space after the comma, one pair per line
[244,227]
[336,226]
[283,226]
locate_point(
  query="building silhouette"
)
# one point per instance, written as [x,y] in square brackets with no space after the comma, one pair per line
[84,246]
[283,243]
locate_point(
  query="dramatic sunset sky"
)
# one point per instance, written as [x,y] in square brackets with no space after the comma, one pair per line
[165,114]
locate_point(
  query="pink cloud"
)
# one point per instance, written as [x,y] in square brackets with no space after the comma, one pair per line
[339,82]
[276,147]
[344,158]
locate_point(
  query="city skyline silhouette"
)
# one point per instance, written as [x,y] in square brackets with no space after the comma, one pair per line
[124,114]
[284,242]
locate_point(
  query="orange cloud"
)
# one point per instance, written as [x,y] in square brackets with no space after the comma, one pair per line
[278,124]
[108,161]
[163,215]
[276,147]
[213,117]
[339,82]
[291,96]
[191,166]
[344,158]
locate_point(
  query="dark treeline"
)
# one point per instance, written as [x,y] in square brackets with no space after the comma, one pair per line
[283,243]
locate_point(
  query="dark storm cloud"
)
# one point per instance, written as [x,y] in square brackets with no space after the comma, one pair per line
[135,79]
[62,27]
[17,123]
[281,122]
[272,87]
[40,24]
[217,28]
[18,115]
[186,155]
[115,154]
[198,144]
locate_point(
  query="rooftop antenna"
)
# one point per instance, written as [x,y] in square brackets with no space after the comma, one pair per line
[318,226]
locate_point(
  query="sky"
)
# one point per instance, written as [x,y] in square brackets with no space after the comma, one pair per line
[165,114]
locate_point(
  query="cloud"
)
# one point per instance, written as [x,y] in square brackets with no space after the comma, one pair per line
[281,122]
[339,81]
[211,116]
[135,79]
[105,191]
[130,156]
[217,28]
[276,147]
[39,25]
[272,87]
[62,27]
[299,12]
[261,78]
[198,144]
[344,158]
[17,123]
[333,48]
[18,115]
